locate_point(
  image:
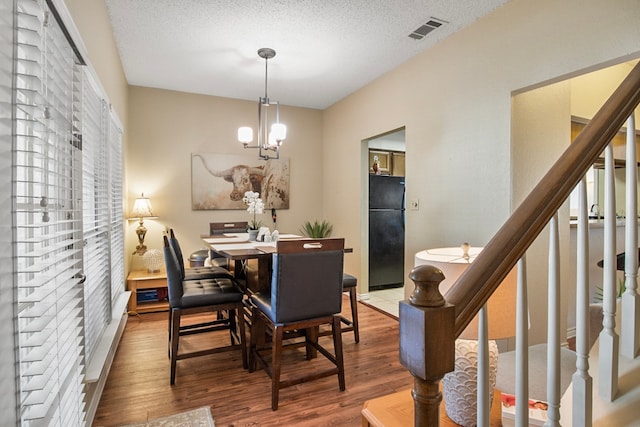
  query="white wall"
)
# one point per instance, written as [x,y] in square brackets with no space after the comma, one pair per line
[8,391]
[455,103]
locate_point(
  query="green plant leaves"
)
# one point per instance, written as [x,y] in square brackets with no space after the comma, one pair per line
[317,230]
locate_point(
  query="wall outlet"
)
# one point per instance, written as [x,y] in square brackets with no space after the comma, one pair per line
[414,204]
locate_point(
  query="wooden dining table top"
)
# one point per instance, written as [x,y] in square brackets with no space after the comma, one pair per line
[238,244]
[238,248]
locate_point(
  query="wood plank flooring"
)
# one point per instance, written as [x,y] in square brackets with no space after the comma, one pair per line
[138,389]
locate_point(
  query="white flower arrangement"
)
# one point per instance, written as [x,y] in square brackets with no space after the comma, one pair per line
[255,206]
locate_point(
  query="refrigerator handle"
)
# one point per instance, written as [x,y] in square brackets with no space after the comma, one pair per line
[404,206]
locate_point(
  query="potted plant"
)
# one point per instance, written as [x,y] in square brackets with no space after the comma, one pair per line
[317,230]
[255,206]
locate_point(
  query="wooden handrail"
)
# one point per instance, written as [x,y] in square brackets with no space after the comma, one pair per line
[474,287]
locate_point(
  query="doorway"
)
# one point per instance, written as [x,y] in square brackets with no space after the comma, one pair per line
[386,220]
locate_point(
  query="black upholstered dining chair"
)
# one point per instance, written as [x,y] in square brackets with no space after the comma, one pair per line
[212,295]
[349,285]
[228,227]
[306,292]
[193,273]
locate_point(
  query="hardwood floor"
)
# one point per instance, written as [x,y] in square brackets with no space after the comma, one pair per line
[138,387]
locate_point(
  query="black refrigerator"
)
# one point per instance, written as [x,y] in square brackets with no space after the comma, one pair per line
[386,231]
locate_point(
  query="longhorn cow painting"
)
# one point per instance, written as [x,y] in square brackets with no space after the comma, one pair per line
[219,181]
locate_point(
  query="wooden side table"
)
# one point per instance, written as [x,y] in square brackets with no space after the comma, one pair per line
[396,410]
[142,279]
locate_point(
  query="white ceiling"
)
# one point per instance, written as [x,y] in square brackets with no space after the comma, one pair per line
[325,49]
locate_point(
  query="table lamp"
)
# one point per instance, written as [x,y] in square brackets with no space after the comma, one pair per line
[141,210]
[460,386]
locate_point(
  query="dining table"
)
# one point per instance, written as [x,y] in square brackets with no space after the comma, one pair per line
[237,247]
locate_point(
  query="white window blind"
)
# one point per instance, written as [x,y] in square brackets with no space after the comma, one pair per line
[96,203]
[47,221]
[117,214]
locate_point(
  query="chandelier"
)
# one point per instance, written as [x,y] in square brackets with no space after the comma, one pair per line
[268,140]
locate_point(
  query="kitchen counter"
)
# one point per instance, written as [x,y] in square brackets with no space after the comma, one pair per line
[598,223]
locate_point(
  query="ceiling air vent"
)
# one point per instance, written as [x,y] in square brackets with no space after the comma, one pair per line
[423,30]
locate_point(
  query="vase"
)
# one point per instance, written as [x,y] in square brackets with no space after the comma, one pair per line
[253,235]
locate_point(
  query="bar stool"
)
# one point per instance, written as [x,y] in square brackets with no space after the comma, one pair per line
[195,273]
[199,296]
[306,293]
[350,284]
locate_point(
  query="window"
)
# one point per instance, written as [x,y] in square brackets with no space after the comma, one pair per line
[67,219]
[95,207]
[47,221]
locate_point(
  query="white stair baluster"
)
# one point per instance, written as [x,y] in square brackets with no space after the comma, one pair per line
[630,327]
[582,381]
[553,326]
[522,347]
[609,340]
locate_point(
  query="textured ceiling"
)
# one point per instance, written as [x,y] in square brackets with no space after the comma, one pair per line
[326,49]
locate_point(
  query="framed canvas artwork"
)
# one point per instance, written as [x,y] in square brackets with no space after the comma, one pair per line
[219,181]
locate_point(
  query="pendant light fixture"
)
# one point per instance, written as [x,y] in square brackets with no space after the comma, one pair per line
[268,139]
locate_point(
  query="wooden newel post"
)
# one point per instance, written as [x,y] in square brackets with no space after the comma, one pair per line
[427,342]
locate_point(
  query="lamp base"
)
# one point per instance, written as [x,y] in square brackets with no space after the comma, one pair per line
[460,387]
[141,231]
[140,250]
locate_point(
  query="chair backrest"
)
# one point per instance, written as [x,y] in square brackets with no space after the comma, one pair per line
[174,274]
[178,252]
[228,227]
[307,279]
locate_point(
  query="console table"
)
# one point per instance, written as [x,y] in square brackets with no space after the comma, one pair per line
[142,279]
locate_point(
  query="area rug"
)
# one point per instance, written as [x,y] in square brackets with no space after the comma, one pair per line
[200,417]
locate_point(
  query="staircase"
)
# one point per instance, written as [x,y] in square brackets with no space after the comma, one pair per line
[605,388]
[623,410]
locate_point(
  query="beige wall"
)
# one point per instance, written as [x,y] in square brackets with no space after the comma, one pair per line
[541,132]
[455,102]
[165,127]
[92,21]
[98,47]
[591,90]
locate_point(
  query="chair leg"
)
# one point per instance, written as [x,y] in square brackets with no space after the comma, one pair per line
[337,345]
[311,336]
[232,324]
[256,339]
[175,337]
[276,356]
[353,298]
[243,336]
[169,340]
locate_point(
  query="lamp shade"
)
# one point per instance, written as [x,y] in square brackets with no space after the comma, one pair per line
[245,134]
[142,208]
[279,132]
[502,304]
